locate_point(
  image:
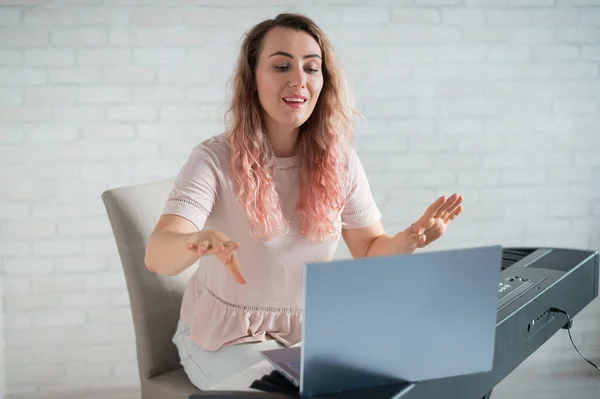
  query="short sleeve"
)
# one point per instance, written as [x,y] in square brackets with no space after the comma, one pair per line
[360,209]
[194,189]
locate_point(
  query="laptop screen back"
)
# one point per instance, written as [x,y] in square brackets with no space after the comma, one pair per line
[382,320]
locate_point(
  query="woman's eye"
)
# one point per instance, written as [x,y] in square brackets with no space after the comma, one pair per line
[283,68]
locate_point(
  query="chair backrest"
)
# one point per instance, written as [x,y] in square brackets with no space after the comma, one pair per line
[155,299]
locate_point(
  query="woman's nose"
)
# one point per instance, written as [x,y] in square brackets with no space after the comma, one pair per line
[298,79]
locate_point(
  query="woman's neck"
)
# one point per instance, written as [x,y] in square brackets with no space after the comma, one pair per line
[283,140]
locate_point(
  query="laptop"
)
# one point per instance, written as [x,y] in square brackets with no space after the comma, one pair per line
[394,319]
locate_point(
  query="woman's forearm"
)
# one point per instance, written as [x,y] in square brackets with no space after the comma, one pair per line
[386,244]
[166,252]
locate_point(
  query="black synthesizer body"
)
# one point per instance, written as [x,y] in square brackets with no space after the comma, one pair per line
[533,280]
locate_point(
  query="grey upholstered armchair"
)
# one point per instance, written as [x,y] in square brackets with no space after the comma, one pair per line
[155,299]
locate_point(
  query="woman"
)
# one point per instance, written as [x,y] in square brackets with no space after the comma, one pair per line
[276,191]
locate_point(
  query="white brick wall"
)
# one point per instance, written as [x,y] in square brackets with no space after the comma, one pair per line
[498,99]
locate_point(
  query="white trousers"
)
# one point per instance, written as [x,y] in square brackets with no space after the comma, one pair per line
[207,368]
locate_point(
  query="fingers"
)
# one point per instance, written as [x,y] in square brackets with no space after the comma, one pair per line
[454,214]
[434,208]
[441,211]
[452,208]
[448,203]
[201,248]
[417,240]
[198,248]
[233,265]
[421,226]
[420,239]
[216,246]
[449,207]
[442,208]
[227,256]
[416,235]
[213,247]
[225,251]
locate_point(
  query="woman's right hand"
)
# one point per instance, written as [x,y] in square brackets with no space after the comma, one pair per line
[210,242]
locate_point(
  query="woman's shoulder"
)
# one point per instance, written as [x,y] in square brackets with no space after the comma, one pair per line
[216,149]
[349,156]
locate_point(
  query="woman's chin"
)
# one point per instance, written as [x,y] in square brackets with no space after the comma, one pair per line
[292,122]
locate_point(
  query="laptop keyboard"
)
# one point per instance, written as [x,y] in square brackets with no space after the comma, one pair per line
[294,364]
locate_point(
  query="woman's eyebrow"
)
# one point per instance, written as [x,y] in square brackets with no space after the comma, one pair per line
[291,56]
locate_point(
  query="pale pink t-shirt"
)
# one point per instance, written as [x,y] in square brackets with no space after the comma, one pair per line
[218,309]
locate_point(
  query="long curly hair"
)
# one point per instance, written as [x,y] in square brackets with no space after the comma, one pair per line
[323,142]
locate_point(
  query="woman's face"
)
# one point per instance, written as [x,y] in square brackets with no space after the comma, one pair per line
[288,76]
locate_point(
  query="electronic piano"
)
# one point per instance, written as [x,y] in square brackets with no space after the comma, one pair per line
[533,280]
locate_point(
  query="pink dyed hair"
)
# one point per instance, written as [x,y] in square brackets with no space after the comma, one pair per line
[323,142]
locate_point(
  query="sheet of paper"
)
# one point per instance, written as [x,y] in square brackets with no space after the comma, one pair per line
[242,380]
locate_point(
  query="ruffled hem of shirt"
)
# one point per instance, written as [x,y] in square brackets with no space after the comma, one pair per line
[216,323]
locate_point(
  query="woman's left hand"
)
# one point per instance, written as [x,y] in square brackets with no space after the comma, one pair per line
[434,221]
